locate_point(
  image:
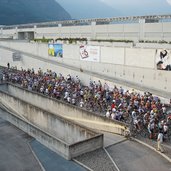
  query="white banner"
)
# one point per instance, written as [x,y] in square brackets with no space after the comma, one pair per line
[90,53]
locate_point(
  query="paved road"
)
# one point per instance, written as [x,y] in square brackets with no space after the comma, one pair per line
[110,138]
[18,150]
[15,154]
[51,161]
[131,156]
[127,155]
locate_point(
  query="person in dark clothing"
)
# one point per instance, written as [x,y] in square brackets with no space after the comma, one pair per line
[8,65]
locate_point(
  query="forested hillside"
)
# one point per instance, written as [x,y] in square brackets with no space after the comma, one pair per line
[30,11]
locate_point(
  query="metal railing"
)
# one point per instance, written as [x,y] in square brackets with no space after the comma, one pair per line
[89,21]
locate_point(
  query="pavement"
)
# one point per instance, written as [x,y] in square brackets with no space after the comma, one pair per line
[120,154]
[132,156]
[15,154]
[110,139]
[97,161]
[51,161]
[151,143]
[20,152]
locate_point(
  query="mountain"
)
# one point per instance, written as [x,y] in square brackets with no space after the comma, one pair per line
[89,9]
[111,8]
[31,11]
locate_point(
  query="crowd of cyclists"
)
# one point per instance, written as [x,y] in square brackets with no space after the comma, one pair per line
[142,111]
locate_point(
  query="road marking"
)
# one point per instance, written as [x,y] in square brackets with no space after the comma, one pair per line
[111,159]
[81,164]
[35,156]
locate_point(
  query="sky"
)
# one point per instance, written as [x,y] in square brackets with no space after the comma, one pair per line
[110,8]
[130,2]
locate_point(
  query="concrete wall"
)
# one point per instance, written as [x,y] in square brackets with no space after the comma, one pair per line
[44,138]
[132,31]
[66,110]
[142,58]
[66,134]
[32,48]
[131,64]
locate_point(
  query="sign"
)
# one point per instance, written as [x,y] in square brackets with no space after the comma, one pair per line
[90,53]
[16,56]
[163,60]
[55,50]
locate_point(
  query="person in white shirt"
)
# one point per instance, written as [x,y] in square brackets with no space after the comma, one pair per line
[73,101]
[165,130]
[108,114]
[113,115]
[81,103]
[66,95]
[134,115]
[69,99]
[159,142]
[46,91]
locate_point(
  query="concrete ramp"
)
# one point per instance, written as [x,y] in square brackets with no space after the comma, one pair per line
[66,110]
[57,133]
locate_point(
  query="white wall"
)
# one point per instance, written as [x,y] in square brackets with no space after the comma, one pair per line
[5,57]
[112,55]
[144,58]
[133,31]
[71,52]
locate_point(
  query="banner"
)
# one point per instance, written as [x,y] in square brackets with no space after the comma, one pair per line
[163,60]
[55,50]
[90,53]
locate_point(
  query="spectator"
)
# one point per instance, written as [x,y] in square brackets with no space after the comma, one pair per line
[113,115]
[165,128]
[73,101]
[8,65]
[151,129]
[108,114]
[81,103]
[160,141]
[120,104]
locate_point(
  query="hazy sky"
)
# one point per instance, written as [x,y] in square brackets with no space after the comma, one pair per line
[132,2]
[110,8]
